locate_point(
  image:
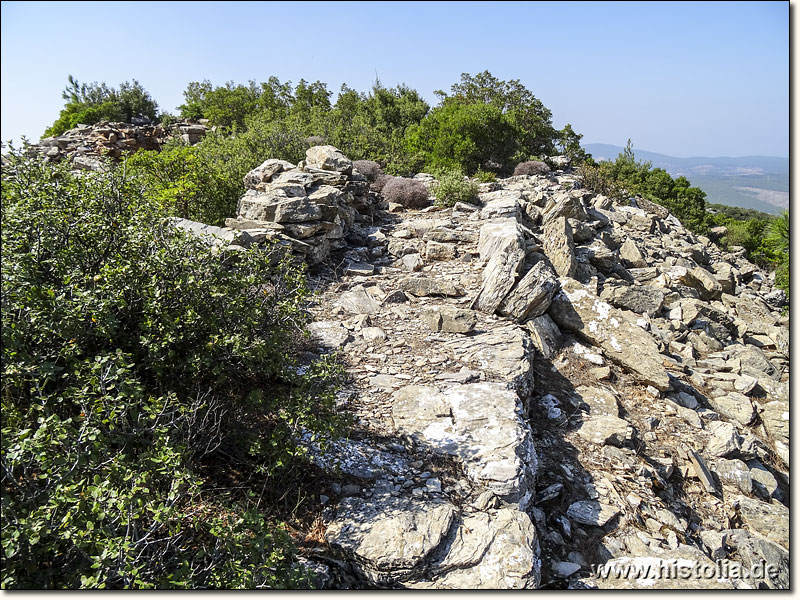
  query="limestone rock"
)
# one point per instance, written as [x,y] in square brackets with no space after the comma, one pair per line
[328,158]
[496,549]
[389,537]
[559,247]
[358,301]
[440,251]
[531,297]
[591,512]
[479,423]
[545,335]
[734,406]
[724,439]
[636,298]
[450,319]
[497,235]
[599,401]
[770,519]
[734,472]
[426,286]
[756,551]
[500,273]
[214,236]
[576,309]
[504,352]
[605,429]
[631,256]
[264,172]
[330,334]
[775,417]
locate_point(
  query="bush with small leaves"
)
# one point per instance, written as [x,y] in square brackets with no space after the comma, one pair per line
[380,182]
[368,168]
[453,187]
[406,192]
[531,167]
[485,176]
[138,368]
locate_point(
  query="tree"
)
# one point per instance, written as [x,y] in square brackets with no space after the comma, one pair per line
[90,103]
[532,121]
[462,136]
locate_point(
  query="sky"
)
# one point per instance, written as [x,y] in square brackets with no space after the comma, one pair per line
[678,78]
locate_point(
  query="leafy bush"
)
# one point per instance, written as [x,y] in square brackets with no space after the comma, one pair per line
[531,167]
[369,169]
[485,176]
[146,387]
[406,192]
[453,187]
[204,182]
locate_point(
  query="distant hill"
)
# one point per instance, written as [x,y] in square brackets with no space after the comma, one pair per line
[759,182]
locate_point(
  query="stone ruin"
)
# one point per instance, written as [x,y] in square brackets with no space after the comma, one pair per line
[84,145]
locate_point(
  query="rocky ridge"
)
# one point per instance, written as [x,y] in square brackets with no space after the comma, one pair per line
[543,382]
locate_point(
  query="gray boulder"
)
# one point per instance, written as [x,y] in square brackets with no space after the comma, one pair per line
[531,297]
[578,310]
[328,158]
[427,286]
[545,335]
[482,425]
[559,247]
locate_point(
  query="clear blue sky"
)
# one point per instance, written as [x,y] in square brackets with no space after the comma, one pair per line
[686,79]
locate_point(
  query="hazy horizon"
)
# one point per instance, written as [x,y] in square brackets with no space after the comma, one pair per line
[683,79]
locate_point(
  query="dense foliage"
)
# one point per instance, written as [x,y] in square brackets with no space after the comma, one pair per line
[487,124]
[452,187]
[151,398]
[90,103]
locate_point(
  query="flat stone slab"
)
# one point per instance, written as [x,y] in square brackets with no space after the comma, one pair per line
[577,309]
[330,334]
[770,519]
[482,424]
[591,512]
[355,458]
[504,352]
[599,401]
[357,301]
[427,286]
[389,537]
[605,429]
[496,549]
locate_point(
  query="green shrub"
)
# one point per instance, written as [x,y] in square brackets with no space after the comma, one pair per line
[406,192]
[146,388]
[531,167]
[485,176]
[463,137]
[453,187]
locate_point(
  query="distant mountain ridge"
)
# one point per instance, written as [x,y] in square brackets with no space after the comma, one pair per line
[759,182]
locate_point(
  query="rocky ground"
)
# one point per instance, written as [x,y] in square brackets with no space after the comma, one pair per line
[543,382]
